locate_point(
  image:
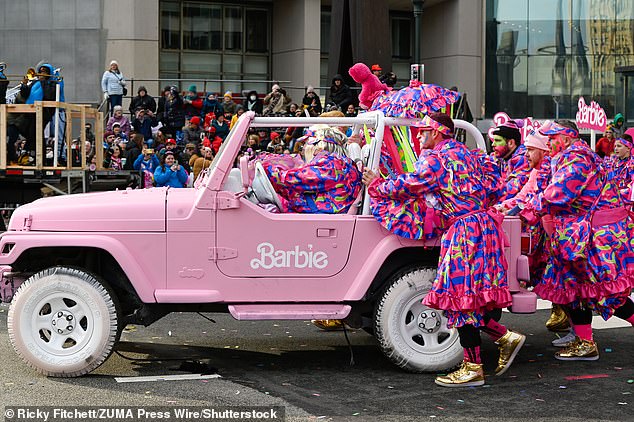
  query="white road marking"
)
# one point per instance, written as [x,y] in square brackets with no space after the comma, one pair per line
[166,378]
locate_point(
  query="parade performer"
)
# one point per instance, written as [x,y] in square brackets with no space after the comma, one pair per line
[620,168]
[591,262]
[507,146]
[328,182]
[471,285]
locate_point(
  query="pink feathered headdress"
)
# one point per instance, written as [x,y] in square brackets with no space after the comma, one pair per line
[371,87]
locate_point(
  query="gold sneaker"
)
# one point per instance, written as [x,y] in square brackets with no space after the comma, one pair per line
[558,321]
[579,350]
[509,344]
[468,375]
[328,324]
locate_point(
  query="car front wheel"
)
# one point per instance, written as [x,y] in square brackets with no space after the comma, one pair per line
[63,322]
[412,335]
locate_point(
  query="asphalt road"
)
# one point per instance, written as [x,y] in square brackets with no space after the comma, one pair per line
[308,371]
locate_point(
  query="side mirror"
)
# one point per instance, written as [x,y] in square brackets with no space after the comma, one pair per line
[244,172]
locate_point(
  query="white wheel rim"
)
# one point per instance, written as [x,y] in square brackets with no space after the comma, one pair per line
[424,329]
[62,324]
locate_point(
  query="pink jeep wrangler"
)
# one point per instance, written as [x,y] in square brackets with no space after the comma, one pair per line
[78,268]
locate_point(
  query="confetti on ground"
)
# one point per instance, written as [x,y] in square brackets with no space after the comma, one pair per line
[316,394]
[390,387]
[608,350]
[626,392]
[440,408]
[630,381]
[540,400]
[586,377]
[355,414]
[622,403]
[563,387]
[618,368]
[169,333]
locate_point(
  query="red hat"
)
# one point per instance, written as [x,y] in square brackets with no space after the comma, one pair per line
[274,136]
[376,67]
[206,142]
[195,120]
[171,141]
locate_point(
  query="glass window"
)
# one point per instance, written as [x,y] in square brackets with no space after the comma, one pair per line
[549,27]
[233,28]
[204,64]
[325,31]
[169,62]
[401,37]
[170,25]
[201,27]
[232,64]
[256,64]
[256,30]
[510,18]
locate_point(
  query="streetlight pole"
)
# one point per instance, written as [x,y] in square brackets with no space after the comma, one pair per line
[418,18]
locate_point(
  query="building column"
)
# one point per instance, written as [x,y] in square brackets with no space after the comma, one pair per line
[296,46]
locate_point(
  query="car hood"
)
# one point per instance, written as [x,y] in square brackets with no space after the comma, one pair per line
[118,211]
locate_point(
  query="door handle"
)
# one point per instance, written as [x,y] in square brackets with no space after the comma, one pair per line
[326,232]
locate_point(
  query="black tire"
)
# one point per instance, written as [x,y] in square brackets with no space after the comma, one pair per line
[63,322]
[410,334]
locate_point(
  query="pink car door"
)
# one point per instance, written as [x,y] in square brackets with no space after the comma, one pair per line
[252,242]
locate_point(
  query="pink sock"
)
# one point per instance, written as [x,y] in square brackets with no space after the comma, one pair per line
[494,329]
[472,354]
[631,320]
[584,332]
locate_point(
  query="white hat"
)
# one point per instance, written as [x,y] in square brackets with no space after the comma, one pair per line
[114,62]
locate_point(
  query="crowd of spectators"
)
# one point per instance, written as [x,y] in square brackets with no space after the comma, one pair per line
[173,138]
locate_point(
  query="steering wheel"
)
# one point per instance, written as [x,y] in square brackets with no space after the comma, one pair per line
[263,188]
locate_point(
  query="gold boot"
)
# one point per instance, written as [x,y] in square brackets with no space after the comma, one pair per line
[328,324]
[509,344]
[579,350]
[468,375]
[558,321]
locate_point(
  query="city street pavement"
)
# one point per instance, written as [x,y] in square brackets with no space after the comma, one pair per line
[307,370]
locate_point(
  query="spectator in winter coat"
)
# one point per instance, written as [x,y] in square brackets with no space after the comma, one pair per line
[253,103]
[146,163]
[142,101]
[118,117]
[143,122]
[165,93]
[227,103]
[201,163]
[239,112]
[311,102]
[192,103]
[276,101]
[174,115]
[340,93]
[133,151]
[112,85]
[191,134]
[170,173]
[221,126]
[211,105]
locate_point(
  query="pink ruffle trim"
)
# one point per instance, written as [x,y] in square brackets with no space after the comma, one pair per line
[585,291]
[494,298]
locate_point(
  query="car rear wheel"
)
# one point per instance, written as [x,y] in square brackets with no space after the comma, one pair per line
[412,335]
[63,322]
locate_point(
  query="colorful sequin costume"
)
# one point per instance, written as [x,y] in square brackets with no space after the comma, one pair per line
[471,275]
[591,263]
[516,172]
[621,173]
[328,184]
